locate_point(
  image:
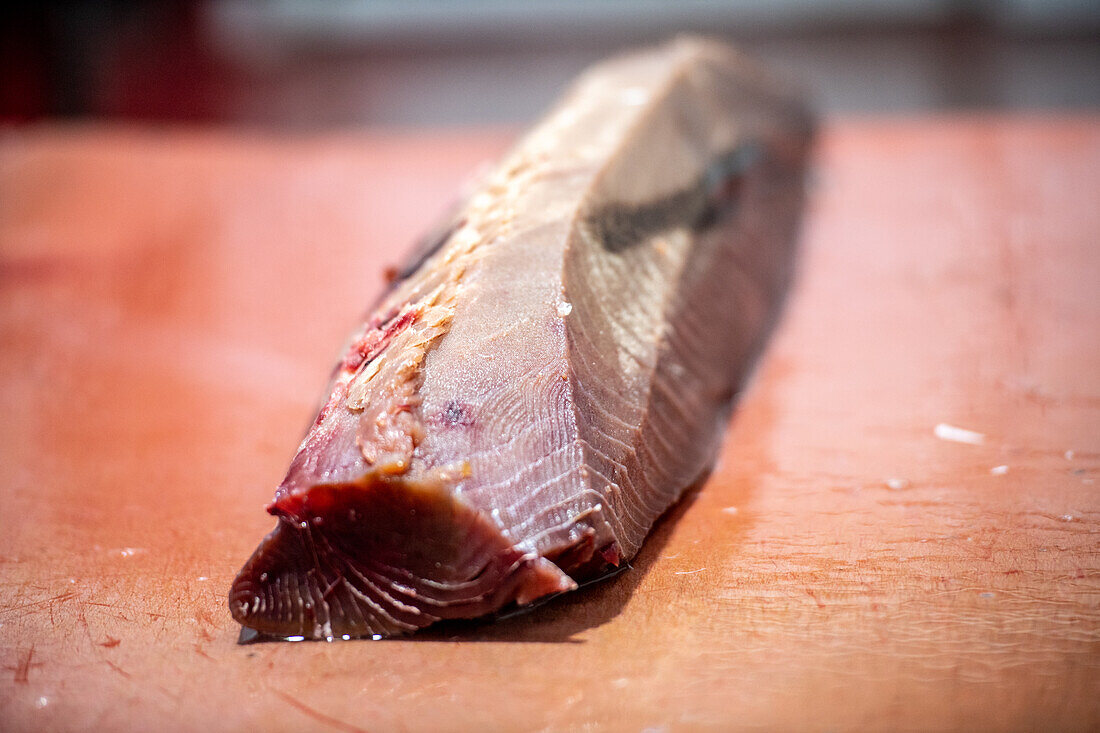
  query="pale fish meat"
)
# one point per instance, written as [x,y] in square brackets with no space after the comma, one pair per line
[556,368]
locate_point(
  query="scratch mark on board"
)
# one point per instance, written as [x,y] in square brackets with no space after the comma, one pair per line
[44,601]
[318,715]
[811,594]
[118,669]
[23,668]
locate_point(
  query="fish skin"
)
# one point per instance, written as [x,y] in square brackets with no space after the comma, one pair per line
[549,375]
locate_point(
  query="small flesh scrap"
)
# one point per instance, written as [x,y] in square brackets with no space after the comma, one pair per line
[555,368]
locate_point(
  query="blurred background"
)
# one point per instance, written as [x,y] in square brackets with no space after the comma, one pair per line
[334,63]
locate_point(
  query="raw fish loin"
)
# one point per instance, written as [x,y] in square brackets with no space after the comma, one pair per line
[546,378]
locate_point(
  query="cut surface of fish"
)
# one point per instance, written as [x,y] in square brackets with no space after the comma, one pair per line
[556,367]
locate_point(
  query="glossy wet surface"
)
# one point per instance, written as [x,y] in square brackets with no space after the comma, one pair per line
[170,307]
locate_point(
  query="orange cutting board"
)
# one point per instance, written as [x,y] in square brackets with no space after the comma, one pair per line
[171,302]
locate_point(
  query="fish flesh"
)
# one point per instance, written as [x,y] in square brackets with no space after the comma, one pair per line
[556,367]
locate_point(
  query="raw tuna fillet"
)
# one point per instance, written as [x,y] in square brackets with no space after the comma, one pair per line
[552,372]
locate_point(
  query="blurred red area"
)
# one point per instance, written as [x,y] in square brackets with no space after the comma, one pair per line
[448,63]
[24,93]
[112,59]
